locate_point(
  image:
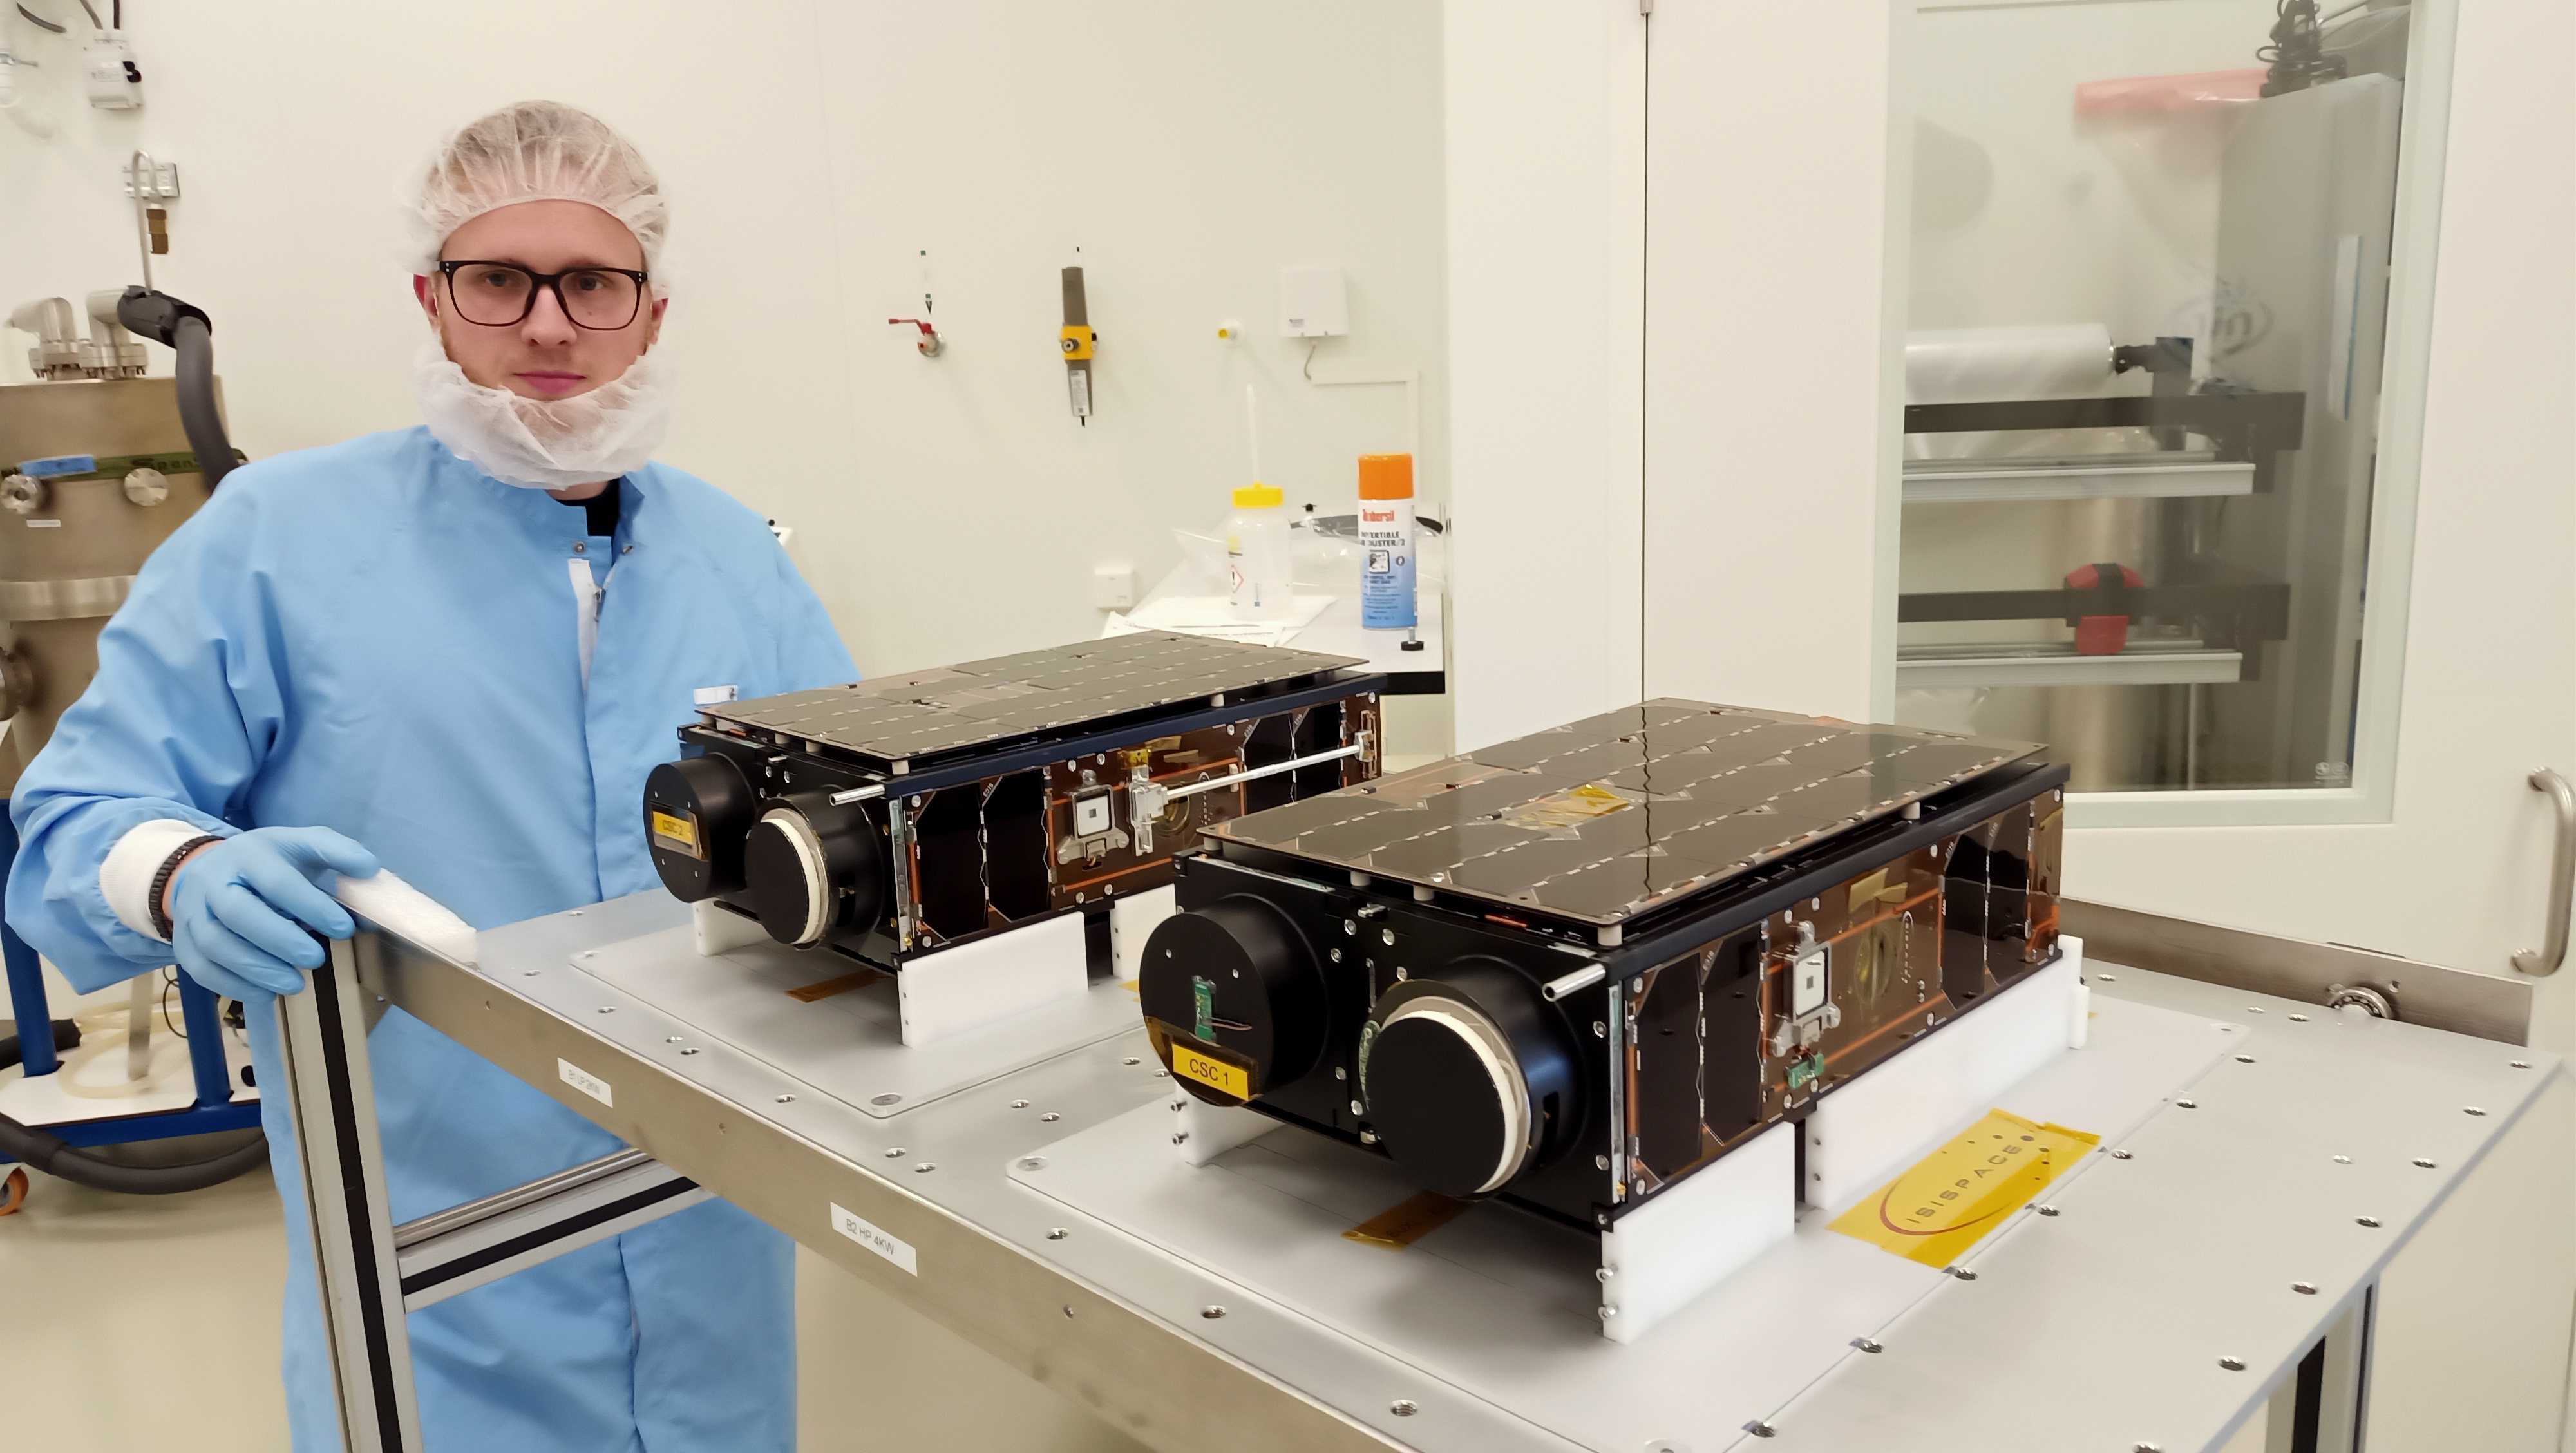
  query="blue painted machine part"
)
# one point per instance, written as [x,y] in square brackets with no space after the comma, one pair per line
[214,1110]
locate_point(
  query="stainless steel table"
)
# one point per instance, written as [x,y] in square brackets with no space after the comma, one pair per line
[2264,1160]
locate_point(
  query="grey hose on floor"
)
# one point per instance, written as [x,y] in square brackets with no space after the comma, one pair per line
[49,1154]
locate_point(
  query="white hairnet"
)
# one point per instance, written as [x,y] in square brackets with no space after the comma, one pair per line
[536,151]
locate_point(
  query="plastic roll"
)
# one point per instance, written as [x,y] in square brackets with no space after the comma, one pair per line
[1977,365]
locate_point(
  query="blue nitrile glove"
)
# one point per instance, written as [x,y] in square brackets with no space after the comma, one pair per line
[243,912]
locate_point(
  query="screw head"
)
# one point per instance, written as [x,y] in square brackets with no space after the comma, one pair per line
[2122,1155]
[1600,1162]
[1341,1072]
[2370,1221]
[2186,1104]
[1058,1234]
[2298,1019]
[886,1100]
[925,1168]
[1403,1407]
[2245,1059]
[2304,1288]
[1019,1104]
[1604,1275]
[894,1152]
[787,1099]
[1131,1061]
[692,1049]
[1600,1030]
[1963,1273]
[1050,1117]
[1212,1311]
[2471,1110]
[2423,1164]
[1033,1162]
[1867,1345]
[2048,1210]
[1358,1109]
[2232,1364]
[1337,955]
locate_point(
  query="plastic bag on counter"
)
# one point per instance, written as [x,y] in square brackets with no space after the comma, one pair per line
[1324,562]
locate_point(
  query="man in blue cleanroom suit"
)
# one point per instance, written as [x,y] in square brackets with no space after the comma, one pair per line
[452,646]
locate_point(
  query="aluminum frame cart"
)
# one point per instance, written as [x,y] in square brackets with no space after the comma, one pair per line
[2320,1138]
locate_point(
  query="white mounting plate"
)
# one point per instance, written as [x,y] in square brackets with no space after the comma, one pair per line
[853,1039]
[91,1082]
[2153,1261]
[1505,1306]
[960,992]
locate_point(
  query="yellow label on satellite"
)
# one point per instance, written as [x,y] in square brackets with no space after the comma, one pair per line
[1951,1198]
[675,832]
[1214,1073]
[1571,808]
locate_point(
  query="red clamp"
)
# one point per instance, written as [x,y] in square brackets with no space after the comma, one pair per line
[929,343]
[2102,621]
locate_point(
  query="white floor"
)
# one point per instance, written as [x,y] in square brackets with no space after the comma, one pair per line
[134,1322]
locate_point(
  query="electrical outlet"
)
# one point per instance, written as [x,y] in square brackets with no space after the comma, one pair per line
[113,80]
[1113,587]
[1314,302]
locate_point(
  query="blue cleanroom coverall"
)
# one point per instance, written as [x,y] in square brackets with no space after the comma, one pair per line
[377,638]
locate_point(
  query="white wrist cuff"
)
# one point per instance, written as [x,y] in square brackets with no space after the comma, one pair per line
[126,877]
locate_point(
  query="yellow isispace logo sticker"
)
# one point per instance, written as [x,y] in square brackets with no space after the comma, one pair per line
[1951,1198]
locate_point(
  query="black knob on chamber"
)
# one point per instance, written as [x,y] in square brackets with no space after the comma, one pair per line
[696,811]
[1470,1078]
[814,868]
[1241,998]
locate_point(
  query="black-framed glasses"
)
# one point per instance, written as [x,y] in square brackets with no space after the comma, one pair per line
[501,294]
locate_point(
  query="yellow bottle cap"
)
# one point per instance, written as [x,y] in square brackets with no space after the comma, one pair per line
[1259,497]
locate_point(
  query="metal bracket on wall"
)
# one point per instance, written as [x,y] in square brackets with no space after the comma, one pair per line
[2459,1000]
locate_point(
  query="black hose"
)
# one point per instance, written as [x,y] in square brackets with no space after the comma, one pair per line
[183,326]
[197,413]
[49,1154]
[66,1036]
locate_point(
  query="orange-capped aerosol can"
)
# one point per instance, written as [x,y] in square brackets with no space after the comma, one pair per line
[1386,542]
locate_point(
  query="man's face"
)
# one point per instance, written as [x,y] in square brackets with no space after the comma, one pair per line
[544,355]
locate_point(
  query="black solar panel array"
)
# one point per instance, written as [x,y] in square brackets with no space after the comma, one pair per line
[1008,698]
[1605,818]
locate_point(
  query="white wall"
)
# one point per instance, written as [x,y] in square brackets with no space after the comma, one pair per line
[1546,138]
[1768,425]
[944,508]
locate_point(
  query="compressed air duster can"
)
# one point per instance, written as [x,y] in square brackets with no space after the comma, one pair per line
[1386,542]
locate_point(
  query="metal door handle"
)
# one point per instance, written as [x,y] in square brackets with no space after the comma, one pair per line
[2562,877]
